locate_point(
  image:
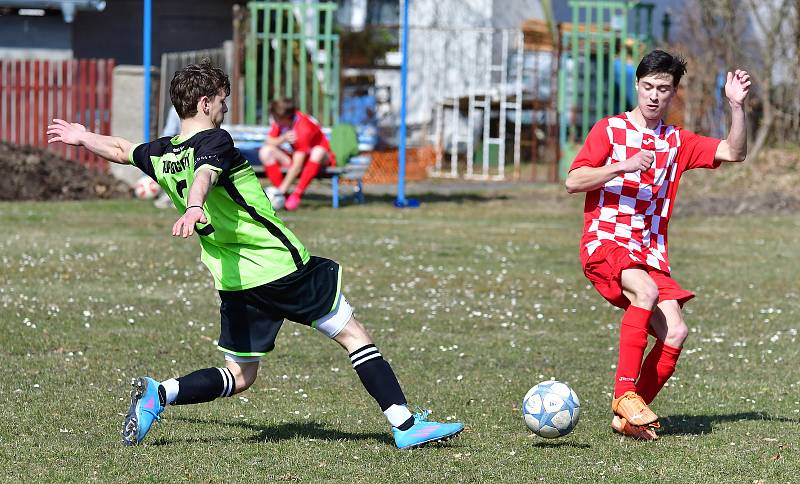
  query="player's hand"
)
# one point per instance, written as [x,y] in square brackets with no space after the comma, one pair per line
[184,227]
[67,133]
[737,86]
[290,137]
[641,161]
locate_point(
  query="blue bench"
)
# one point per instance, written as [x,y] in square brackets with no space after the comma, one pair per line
[250,138]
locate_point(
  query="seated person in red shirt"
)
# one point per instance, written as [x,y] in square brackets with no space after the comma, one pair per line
[297,144]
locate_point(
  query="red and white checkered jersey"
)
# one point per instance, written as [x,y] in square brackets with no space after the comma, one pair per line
[633,209]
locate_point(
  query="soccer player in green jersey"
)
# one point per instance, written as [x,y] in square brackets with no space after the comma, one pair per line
[261,270]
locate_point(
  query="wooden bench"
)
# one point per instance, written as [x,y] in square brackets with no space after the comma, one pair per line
[250,138]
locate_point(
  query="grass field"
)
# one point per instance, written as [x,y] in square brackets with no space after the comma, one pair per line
[473,301]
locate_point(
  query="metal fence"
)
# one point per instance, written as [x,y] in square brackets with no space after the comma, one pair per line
[596,74]
[34,91]
[292,51]
[171,62]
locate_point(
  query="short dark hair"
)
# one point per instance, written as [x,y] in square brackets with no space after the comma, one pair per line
[660,62]
[282,108]
[194,81]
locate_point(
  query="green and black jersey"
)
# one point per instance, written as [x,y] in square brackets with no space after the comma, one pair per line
[244,244]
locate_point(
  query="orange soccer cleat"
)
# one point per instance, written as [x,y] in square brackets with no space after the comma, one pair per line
[632,408]
[640,432]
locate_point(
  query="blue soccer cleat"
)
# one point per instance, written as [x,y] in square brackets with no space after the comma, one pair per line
[145,408]
[424,432]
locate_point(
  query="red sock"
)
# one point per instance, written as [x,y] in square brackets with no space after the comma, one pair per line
[656,370]
[306,176]
[632,343]
[274,174]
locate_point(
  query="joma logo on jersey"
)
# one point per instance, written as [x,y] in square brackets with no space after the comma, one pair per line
[174,163]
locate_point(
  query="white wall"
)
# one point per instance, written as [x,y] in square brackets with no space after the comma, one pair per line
[447,51]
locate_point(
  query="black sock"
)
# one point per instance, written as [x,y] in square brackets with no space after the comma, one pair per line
[378,378]
[407,424]
[162,395]
[205,385]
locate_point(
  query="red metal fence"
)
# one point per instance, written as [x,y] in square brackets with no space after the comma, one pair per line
[33,92]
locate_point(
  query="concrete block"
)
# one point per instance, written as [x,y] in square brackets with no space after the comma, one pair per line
[127,116]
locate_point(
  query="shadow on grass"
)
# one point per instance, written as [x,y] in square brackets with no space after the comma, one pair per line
[704,424]
[559,444]
[318,200]
[277,433]
[433,197]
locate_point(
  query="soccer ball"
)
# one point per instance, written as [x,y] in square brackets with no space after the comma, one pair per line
[146,188]
[551,409]
[276,198]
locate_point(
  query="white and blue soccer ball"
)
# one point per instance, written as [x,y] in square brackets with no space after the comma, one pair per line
[551,409]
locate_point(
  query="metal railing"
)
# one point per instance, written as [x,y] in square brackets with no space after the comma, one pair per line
[34,91]
[292,51]
[171,62]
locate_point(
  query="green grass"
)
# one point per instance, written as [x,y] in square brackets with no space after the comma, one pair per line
[472,300]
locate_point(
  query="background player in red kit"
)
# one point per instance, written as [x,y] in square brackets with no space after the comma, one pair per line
[630,167]
[297,144]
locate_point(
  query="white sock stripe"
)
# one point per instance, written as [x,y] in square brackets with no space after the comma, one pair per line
[224,381]
[362,352]
[171,388]
[358,355]
[231,382]
[365,359]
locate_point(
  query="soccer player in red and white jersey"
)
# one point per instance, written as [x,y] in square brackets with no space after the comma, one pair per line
[297,144]
[630,167]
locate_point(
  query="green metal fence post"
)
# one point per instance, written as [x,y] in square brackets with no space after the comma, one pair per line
[279,37]
[587,73]
[623,60]
[328,60]
[303,58]
[250,73]
[266,17]
[277,28]
[599,74]
[289,91]
[335,82]
[612,47]
[315,78]
[573,102]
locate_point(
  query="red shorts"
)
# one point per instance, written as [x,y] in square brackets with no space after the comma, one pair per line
[604,270]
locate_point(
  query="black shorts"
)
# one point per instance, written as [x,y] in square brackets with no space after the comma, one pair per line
[251,318]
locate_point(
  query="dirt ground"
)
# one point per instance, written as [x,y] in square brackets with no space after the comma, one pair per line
[766,186]
[34,174]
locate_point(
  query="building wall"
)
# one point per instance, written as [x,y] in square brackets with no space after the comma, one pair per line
[177,26]
[127,120]
[449,44]
[451,13]
[47,32]
[509,14]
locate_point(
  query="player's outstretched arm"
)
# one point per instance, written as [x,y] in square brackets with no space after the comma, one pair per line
[203,180]
[734,148]
[112,148]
